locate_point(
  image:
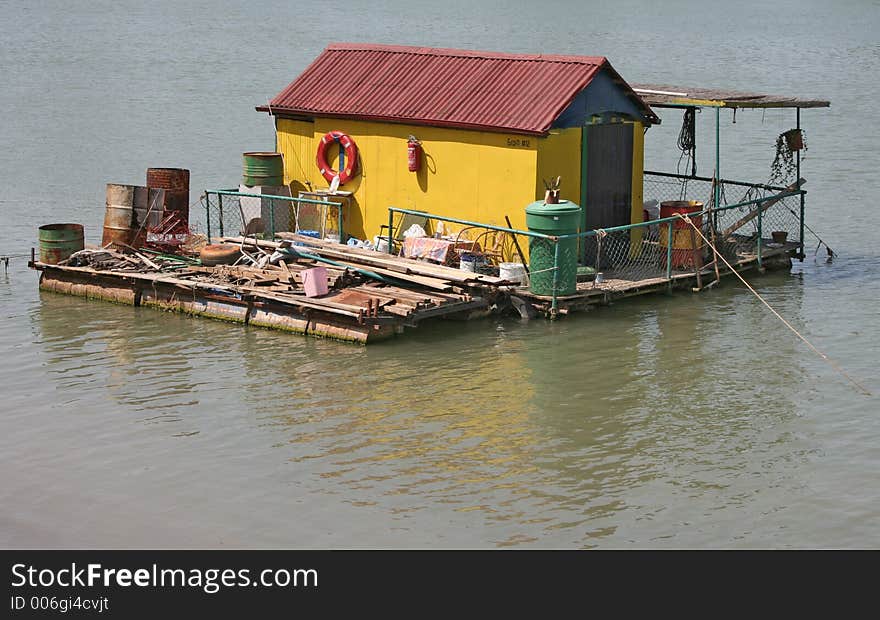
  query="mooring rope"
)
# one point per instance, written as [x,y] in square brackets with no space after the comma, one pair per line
[778,316]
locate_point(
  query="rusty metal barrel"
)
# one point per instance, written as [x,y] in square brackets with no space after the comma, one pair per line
[59,241]
[119,215]
[261,169]
[687,247]
[175,182]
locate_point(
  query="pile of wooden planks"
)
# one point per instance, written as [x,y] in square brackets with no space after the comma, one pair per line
[365,288]
[351,294]
[420,273]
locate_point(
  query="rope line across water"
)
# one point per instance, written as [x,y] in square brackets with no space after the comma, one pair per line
[830,361]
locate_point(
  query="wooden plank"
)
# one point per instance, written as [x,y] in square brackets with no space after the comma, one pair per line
[428,282]
[436,311]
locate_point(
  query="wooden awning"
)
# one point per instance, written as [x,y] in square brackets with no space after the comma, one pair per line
[661,95]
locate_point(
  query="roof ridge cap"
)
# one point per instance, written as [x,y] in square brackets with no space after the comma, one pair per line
[463,53]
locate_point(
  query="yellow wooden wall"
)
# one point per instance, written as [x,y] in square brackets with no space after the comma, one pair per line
[472,175]
[559,154]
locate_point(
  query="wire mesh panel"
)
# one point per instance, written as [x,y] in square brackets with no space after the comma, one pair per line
[737,229]
[663,188]
[783,216]
[232,214]
[627,256]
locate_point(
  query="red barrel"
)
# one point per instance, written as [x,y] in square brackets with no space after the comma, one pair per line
[686,248]
[175,182]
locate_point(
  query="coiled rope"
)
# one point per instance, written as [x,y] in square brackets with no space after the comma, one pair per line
[687,140]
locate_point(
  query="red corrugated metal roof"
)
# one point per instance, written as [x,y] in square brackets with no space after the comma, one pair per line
[444,87]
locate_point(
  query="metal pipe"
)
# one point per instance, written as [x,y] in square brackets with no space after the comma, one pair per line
[738,205]
[229,192]
[220,209]
[802,252]
[390,231]
[760,235]
[717,155]
[455,220]
[673,175]
[669,227]
[339,215]
[208,215]
[588,233]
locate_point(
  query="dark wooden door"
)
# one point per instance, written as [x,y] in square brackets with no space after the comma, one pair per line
[606,179]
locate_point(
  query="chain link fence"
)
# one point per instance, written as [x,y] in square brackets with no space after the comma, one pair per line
[626,256]
[230,213]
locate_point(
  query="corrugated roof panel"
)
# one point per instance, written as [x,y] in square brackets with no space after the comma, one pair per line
[457,88]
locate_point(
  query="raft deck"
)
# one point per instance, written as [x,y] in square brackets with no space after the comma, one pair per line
[357,308]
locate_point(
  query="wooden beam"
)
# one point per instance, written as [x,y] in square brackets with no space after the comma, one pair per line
[764,206]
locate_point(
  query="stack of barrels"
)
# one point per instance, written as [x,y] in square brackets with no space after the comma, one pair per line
[132,209]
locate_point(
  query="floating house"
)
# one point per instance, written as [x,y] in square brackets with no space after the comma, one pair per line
[459,138]
[489,127]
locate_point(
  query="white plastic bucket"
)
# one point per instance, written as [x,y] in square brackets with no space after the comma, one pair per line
[471,262]
[515,272]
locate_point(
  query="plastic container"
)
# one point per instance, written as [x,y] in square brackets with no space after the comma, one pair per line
[515,272]
[381,244]
[779,236]
[561,218]
[315,281]
[471,262]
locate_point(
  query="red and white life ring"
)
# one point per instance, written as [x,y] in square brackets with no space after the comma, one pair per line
[351,156]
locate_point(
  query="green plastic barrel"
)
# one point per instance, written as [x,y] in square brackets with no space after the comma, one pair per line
[59,241]
[262,169]
[553,219]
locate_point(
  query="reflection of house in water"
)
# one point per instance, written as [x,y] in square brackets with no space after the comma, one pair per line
[426,425]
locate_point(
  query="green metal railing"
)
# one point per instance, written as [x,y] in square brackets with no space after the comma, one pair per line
[634,252]
[225,213]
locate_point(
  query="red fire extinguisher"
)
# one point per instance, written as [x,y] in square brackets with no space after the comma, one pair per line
[414,154]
